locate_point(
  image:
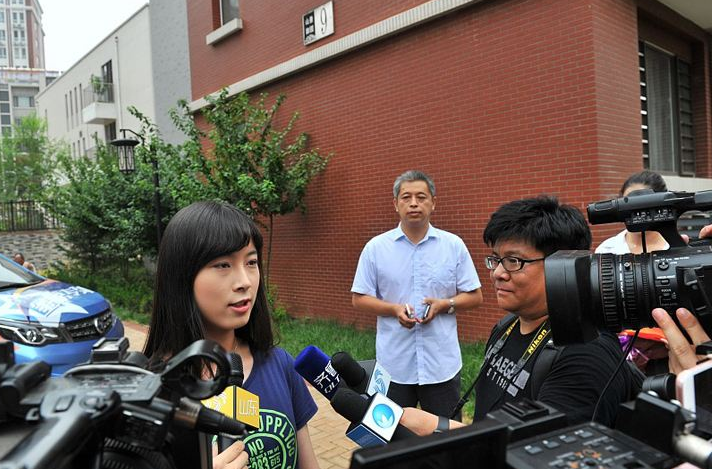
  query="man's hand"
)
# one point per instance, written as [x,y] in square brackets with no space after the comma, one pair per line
[682,353]
[437,306]
[404,313]
[421,422]
[234,457]
[706,232]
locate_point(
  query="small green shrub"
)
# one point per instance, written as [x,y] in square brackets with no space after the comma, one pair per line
[279,312]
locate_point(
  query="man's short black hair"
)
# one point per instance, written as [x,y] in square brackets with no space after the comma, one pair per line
[542,222]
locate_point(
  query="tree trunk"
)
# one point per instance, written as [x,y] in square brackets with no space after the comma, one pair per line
[269,252]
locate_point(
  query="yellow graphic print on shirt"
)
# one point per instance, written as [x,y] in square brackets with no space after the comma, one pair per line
[274,445]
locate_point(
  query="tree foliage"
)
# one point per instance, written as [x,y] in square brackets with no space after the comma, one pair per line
[244,159]
[249,161]
[106,216]
[26,158]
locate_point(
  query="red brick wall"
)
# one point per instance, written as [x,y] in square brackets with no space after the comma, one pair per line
[502,100]
[271,34]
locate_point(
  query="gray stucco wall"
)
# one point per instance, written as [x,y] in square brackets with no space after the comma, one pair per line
[39,247]
[170,62]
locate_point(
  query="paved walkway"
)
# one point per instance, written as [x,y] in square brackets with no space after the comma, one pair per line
[333,449]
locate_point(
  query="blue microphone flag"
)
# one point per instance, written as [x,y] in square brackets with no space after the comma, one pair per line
[315,366]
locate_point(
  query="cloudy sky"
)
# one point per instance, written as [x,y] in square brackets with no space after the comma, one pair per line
[73,27]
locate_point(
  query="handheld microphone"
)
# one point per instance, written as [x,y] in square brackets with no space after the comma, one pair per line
[193,415]
[236,403]
[374,420]
[315,366]
[364,377]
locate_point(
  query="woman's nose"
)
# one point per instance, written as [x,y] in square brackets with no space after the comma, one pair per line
[241,280]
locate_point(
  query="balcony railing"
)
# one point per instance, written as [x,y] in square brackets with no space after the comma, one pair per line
[100,92]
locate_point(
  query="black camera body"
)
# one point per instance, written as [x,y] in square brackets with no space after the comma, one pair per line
[587,291]
[109,411]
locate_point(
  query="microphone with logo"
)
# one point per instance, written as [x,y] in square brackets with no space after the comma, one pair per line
[316,367]
[364,377]
[374,420]
[236,403]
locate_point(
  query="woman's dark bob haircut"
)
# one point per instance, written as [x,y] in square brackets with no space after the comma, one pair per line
[196,235]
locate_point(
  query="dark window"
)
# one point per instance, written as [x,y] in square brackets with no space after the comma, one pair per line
[110,132]
[4,96]
[666,109]
[229,10]
[107,75]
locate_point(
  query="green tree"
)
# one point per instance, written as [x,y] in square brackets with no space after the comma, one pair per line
[107,216]
[26,158]
[248,161]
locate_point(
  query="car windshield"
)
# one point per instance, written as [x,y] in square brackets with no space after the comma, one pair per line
[13,275]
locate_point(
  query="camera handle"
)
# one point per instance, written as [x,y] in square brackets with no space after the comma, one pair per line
[667,230]
[67,419]
[693,280]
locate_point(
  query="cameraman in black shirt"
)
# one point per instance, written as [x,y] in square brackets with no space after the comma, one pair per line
[521,235]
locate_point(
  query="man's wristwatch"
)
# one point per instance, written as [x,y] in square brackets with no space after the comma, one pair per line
[451,310]
[443,424]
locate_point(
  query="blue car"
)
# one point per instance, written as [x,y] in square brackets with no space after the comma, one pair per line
[50,320]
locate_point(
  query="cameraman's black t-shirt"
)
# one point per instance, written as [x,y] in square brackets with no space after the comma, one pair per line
[573,384]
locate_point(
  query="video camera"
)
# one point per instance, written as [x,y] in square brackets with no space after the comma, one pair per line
[110,412]
[587,291]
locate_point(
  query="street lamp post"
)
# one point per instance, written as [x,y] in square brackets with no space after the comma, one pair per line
[127,165]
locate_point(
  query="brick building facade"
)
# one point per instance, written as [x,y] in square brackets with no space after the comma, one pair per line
[496,100]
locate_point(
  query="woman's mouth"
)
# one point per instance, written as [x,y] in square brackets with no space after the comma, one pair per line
[240,307]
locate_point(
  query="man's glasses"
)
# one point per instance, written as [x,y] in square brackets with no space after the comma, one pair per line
[510,263]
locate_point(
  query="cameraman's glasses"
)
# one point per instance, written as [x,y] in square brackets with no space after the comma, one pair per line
[510,263]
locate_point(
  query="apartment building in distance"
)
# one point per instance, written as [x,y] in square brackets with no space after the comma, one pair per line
[22,60]
[141,64]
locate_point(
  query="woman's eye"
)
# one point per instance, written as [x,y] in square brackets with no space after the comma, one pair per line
[222,265]
[252,262]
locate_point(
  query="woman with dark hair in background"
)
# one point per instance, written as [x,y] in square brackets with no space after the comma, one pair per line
[209,286]
[626,242]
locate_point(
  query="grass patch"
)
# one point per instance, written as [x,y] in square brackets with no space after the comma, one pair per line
[130,315]
[472,355]
[331,337]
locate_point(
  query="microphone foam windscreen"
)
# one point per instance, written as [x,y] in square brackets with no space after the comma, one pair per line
[237,375]
[349,404]
[350,371]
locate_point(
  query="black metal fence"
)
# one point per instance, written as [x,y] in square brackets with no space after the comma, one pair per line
[25,215]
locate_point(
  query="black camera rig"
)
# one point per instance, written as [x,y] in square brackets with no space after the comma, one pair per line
[589,291]
[110,411]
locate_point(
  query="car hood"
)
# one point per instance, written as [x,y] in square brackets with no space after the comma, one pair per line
[50,302]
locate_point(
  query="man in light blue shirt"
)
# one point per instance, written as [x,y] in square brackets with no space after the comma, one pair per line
[414,278]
